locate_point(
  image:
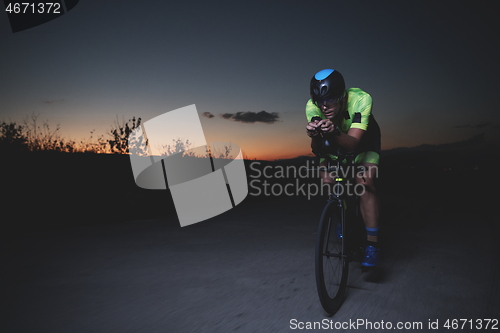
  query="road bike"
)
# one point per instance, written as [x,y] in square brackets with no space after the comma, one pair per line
[340,237]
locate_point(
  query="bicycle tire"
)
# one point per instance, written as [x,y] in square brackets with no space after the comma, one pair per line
[331,259]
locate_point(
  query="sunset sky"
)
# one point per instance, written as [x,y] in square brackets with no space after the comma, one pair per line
[430,66]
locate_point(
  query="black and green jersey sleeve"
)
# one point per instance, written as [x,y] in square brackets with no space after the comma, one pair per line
[359,110]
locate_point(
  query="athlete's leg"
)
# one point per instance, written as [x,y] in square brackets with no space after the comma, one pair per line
[370,209]
[369,202]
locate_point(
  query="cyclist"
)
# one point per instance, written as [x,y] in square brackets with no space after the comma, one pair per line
[344,117]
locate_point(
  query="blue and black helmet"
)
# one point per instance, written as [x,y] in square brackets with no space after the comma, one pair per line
[327,84]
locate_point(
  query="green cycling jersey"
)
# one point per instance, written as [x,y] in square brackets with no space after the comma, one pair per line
[357,113]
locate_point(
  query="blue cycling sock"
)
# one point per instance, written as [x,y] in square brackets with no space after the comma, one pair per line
[372,231]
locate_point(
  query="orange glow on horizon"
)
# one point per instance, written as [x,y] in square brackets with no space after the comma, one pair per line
[271,154]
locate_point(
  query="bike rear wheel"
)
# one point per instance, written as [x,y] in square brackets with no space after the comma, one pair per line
[332,264]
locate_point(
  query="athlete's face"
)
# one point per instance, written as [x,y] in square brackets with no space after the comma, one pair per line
[330,108]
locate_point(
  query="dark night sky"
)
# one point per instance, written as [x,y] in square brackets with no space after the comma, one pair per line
[430,66]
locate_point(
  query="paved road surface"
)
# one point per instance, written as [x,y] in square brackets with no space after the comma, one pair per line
[248,270]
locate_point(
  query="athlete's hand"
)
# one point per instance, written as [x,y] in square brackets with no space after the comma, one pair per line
[325,126]
[312,128]
[320,126]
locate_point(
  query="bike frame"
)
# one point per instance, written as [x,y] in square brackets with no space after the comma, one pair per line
[346,208]
[341,199]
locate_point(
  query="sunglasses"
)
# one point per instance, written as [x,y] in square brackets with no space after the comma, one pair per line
[329,102]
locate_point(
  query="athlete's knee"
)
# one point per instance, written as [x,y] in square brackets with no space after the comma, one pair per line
[367,175]
[369,171]
[367,183]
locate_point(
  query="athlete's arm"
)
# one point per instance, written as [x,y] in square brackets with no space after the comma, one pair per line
[350,140]
[313,133]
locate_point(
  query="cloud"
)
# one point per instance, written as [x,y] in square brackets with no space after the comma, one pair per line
[208,115]
[252,117]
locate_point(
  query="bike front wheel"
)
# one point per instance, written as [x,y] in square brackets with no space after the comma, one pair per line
[331,260]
